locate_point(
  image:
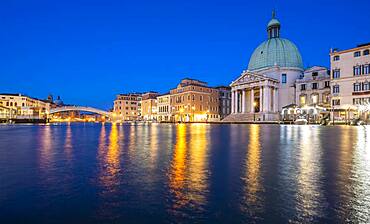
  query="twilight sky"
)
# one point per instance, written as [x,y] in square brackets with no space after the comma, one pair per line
[89,51]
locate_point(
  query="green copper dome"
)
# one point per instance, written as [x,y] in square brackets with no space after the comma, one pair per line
[275,51]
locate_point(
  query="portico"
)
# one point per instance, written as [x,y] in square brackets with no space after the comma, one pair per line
[255,96]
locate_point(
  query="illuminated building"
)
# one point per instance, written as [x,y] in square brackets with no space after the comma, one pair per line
[164,108]
[128,106]
[193,101]
[24,107]
[149,106]
[267,86]
[349,82]
[313,88]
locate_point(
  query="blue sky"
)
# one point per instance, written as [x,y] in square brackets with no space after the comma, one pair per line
[89,51]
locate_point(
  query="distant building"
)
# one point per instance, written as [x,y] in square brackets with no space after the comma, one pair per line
[128,106]
[224,101]
[149,106]
[164,108]
[313,88]
[350,83]
[24,106]
[193,101]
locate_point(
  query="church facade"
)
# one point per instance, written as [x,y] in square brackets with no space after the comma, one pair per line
[268,85]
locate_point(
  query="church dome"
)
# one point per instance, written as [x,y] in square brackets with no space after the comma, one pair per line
[275,51]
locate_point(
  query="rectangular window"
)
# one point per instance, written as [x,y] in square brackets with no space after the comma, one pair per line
[336,58]
[283,78]
[314,85]
[356,70]
[336,102]
[366,69]
[366,52]
[356,87]
[366,86]
[303,87]
[327,84]
[336,73]
[336,89]
[357,54]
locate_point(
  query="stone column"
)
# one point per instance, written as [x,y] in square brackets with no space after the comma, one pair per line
[232,101]
[243,101]
[236,102]
[266,98]
[252,100]
[261,99]
[276,103]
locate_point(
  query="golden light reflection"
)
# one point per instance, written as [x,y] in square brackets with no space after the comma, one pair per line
[178,166]
[154,143]
[310,201]
[109,156]
[198,180]
[113,162]
[253,162]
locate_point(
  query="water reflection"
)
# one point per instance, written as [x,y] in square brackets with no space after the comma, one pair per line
[198,176]
[310,201]
[68,141]
[154,145]
[178,166]
[253,175]
[46,147]
[111,163]
[188,177]
[301,174]
[361,177]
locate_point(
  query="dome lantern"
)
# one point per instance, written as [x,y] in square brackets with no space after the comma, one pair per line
[273,27]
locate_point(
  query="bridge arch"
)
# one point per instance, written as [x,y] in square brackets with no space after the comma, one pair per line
[80,108]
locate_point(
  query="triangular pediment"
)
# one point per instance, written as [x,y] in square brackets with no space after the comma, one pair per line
[248,77]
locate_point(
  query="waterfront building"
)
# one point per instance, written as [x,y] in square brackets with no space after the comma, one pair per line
[25,107]
[128,106]
[194,101]
[350,82]
[149,106]
[224,101]
[164,108]
[312,96]
[313,88]
[268,85]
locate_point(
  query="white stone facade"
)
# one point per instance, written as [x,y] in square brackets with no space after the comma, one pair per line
[350,77]
[313,88]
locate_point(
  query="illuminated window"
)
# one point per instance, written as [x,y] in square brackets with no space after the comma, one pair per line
[302,99]
[315,99]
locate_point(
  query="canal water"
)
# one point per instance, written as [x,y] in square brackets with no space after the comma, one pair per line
[164,173]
